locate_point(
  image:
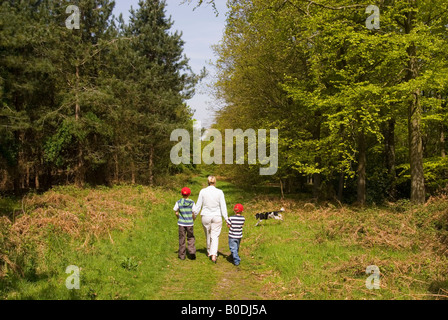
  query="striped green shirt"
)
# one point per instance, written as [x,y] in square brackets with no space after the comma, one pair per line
[185,208]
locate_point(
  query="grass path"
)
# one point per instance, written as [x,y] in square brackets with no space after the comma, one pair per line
[201,279]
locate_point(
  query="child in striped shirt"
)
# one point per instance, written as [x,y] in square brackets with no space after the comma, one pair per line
[184,212]
[236,224]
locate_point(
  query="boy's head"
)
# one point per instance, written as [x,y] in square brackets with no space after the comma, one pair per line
[186,192]
[238,209]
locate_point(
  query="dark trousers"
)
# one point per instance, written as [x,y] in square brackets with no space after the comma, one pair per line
[186,233]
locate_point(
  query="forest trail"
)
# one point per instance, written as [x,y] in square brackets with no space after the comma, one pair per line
[317,253]
[220,281]
[236,282]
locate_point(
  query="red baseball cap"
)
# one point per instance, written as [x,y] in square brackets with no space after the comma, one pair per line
[186,191]
[238,208]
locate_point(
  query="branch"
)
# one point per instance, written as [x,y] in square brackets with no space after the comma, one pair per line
[106,45]
[201,2]
[298,8]
[334,8]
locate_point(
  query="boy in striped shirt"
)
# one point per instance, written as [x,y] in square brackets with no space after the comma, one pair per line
[236,224]
[184,212]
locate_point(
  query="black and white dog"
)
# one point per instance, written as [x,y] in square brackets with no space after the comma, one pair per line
[269,215]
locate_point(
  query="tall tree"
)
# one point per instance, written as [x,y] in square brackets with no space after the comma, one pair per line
[66,93]
[348,85]
[163,81]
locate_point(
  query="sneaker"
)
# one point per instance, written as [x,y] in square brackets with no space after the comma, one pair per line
[192,257]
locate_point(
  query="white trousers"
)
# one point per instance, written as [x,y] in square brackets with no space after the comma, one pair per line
[212,228]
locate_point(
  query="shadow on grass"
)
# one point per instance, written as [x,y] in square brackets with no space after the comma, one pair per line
[439,288]
[15,283]
[10,206]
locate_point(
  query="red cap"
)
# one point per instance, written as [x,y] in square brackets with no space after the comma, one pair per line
[186,191]
[238,208]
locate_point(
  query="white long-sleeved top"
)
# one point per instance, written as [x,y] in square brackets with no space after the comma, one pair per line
[212,202]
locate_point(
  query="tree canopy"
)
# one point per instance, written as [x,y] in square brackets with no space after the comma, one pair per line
[93,104]
[360,110]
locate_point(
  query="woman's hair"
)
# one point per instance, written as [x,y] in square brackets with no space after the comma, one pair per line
[211,180]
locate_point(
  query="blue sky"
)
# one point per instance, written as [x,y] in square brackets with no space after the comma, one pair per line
[201,29]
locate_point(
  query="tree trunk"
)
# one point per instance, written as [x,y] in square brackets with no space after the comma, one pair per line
[442,142]
[16,179]
[132,171]
[151,166]
[18,166]
[362,161]
[416,151]
[414,119]
[77,106]
[27,177]
[47,178]
[281,189]
[36,168]
[36,179]
[116,171]
[389,142]
[317,181]
[341,183]
[317,177]
[341,186]
[442,130]
[79,170]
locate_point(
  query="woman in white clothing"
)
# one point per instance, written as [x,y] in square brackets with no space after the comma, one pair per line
[213,204]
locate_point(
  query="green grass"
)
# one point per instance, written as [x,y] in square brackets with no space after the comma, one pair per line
[309,262]
[313,254]
[129,268]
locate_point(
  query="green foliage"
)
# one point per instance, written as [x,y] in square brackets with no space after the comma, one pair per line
[436,174]
[129,264]
[93,105]
[57,145]
[338,91]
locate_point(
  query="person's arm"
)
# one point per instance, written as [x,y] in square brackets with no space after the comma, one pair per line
[197,207]
[192,210]
[229,223]
[176,210]
[222,203]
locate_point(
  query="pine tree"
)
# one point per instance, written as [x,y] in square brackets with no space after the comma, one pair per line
[27,89]
[80,131]
[163,81]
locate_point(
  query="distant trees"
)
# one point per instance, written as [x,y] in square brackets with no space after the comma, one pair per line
[90,105]
[360,111]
